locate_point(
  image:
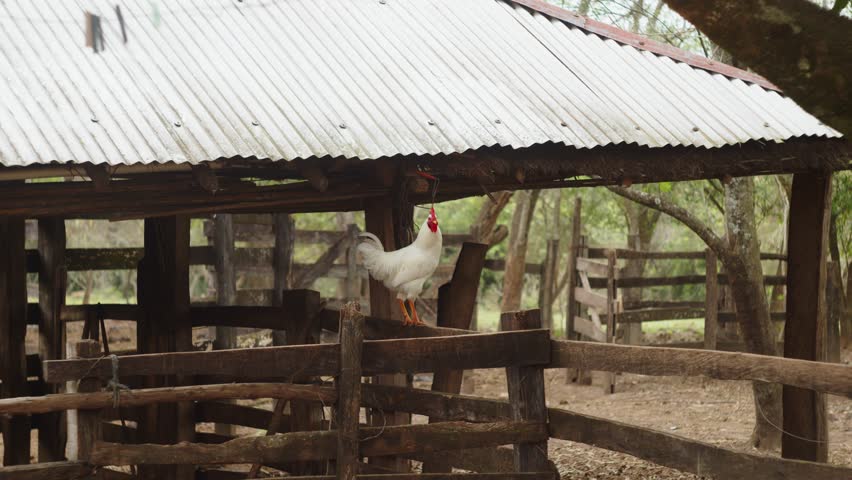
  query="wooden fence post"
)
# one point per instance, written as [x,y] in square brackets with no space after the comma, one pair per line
[13,329]
[526,395]
[711,301]
[348,416]
[834,311]
[611,299]
[52,278]
[88,421]
[572,309]
[805,329]
[226,289]
[546,283]
[634,268]
[284,229]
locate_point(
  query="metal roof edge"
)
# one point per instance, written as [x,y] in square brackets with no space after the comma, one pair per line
[644,43]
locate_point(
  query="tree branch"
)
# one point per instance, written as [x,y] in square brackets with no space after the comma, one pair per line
[680,214]
[802,48]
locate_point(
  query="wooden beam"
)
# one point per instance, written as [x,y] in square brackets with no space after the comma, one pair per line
[283,227]
[822,377]
[684,454]
[435,476]
[526,395]
[348,417]
[711,301]
[52,279]
[147,396]
[611,295]
[48,471]
[308,276]
[484,350]
[805,330]
[225,337]
[308,446]
[13,329]
[233,414]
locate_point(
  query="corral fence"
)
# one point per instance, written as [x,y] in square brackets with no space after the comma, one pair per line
[464,432]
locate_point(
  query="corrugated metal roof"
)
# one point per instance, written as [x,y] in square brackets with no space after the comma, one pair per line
[286,79]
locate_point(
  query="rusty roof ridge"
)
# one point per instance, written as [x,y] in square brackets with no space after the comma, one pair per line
[644,43]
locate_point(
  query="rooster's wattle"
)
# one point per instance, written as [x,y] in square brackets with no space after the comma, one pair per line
[404,271]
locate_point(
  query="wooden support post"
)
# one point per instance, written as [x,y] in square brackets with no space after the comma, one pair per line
[834,311]
[226,289]
[805,330]
[13,329]
[611,299]
[52,276]
[284,229]
[165,327]
[546,283]
[456,304]
[526,395]
[353,281]
[572,308]
[348,416]
[88,421]
[711,301]
[634,268]
[378,216]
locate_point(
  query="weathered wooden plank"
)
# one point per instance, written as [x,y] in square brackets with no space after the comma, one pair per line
[438,476]
[233,414]
[640,254]
[307,446]
[52,279]
[224,337]
[136,397]
[307,277]
[572,308]
[487,459]
[380,329]
[88,421]
[610,311]
[526,395]
[658,314]
[547,285]
[684,454]
[348,416]
[483,350]
[48,471]
[641,282]
[591,267]
[819,376]
[498,265]
[590,299]
[588,328]
[805,332]
[13,329]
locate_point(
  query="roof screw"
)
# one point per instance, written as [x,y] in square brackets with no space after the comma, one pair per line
[431,122]
[765,124]
[95,120]
[342,126]
[563,124]
[638,127]
[178,124]
[383,2]
[641,42]
[255,123]
[694,129]
[498,122]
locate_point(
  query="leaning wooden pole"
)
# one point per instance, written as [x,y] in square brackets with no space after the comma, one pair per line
[805,423]
[226,288]
[88,422]
[348,415]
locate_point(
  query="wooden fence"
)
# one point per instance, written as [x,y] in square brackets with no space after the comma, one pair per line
[464,432]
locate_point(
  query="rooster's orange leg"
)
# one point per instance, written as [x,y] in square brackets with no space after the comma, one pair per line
[407,319]
[414,312]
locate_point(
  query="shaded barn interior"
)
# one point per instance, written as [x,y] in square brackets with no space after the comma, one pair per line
[304,106]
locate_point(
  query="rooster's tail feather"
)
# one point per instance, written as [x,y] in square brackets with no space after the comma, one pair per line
[369,236]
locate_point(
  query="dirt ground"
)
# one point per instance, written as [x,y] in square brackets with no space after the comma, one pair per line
[717,412]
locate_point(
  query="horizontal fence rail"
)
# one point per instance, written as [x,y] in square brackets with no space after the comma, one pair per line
[494,350]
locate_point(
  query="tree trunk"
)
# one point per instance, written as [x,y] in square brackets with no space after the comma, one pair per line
[484,229]
[752,309]
[641,223]
[516,258]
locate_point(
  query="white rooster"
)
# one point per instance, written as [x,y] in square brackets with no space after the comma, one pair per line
[404,271]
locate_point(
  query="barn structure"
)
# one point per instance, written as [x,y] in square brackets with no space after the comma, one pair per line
[182,109]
